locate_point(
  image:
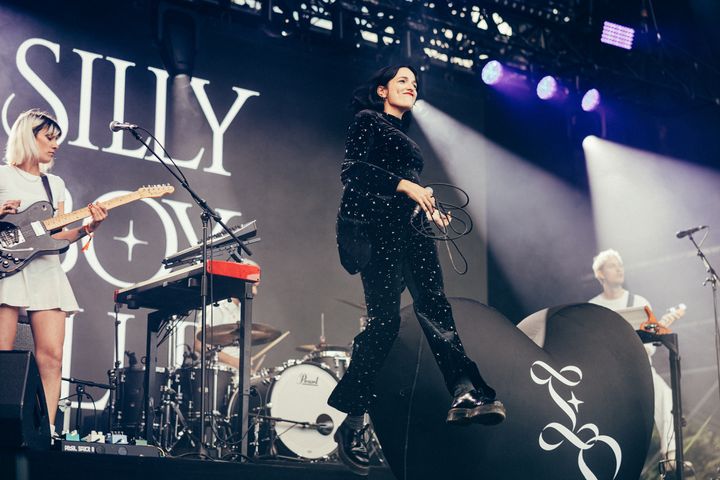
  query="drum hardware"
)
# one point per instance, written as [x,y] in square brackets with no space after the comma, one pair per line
[336,357]
[173,432]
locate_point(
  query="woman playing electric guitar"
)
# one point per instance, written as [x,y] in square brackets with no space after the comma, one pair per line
[41,288]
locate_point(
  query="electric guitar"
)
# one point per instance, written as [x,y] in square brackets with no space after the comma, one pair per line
[28,234]
[661,327]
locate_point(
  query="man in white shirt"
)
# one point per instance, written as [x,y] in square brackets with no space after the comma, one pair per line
[609,271]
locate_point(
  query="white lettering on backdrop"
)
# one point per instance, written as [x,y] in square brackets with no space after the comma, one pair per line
[121,68]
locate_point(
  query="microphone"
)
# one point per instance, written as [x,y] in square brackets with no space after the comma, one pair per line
[116,126]
[418,208]
[690,231]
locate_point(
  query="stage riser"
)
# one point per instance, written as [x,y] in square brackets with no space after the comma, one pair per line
[29,465]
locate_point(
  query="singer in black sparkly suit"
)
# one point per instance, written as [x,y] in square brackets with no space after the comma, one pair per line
[380,175]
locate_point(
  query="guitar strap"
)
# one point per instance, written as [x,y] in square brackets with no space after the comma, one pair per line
[631,300]
[46,184]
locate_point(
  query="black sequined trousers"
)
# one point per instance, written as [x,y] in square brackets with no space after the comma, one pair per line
[400,258]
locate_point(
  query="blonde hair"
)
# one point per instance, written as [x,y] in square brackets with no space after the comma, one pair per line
[21,146]
[603,257]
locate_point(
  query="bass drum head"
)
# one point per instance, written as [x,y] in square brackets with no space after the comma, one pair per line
[300,393]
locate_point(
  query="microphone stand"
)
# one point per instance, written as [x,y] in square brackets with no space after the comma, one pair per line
[205,216]
[80,393]
[113,372]
[711,280]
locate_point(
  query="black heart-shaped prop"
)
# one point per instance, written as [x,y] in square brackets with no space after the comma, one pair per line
[579,407]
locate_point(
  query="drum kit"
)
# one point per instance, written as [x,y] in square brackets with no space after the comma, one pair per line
[289,417]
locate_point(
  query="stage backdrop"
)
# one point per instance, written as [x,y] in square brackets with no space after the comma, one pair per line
[259,133]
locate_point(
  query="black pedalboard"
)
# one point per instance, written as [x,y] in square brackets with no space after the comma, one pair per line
[109,449]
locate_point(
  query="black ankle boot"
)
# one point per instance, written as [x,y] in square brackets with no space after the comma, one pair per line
[352,448]
[472,407]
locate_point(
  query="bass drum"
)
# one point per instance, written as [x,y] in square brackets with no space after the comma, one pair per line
[297,392]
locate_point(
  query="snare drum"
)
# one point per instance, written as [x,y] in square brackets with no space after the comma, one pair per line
[298,392]
[334,357]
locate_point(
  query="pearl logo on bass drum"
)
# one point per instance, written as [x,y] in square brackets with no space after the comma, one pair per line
[305,380]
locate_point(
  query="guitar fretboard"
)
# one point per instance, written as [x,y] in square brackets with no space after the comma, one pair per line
[68,218]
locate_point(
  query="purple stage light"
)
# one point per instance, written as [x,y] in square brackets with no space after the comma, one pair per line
[547,88]
[492,72]
[618,35]
[591,100]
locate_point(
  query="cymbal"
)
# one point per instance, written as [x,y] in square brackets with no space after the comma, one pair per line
[308,348]
[359,306]
[229,333]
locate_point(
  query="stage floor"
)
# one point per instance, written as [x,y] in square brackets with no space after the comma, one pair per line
[55,465]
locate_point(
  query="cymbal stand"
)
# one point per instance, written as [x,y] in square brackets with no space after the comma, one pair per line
[214,413]
[168,430]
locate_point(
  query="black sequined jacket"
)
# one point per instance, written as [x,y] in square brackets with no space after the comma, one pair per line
[378,154]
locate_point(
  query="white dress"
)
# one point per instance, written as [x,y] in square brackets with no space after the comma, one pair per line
[42,284]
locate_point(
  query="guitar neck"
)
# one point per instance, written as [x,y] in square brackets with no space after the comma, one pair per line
[68,218]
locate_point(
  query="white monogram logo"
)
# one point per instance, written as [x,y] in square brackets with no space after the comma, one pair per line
[571,377]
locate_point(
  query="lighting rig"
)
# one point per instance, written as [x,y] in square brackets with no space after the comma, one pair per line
[579,43]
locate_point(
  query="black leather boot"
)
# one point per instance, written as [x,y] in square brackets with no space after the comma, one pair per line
[472,407]
[352,448]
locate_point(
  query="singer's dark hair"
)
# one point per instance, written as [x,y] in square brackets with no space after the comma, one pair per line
[365,96]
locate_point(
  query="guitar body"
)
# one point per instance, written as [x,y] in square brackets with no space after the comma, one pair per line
[24,237]
[662,327]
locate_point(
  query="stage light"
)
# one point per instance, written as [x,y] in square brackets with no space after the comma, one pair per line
[492,72]
[591,100]
[589,141]
[547,88]
[617,35]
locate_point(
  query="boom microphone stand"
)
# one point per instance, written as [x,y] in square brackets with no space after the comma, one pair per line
[207,214]
[712,280]
[80,393]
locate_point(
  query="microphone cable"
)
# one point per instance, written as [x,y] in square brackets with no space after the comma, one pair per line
[460,223]
[429,229]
